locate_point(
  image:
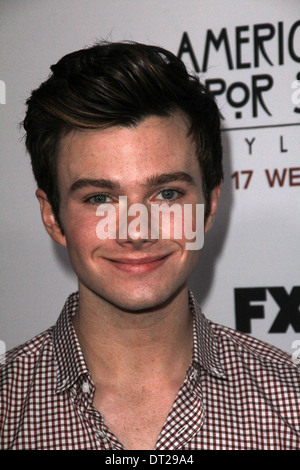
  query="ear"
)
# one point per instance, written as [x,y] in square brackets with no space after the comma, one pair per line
[50,222]
[214,199]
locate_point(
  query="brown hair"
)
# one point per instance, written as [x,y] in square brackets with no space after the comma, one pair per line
[112,84]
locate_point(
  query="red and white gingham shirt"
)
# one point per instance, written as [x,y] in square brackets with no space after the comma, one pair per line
[238,394]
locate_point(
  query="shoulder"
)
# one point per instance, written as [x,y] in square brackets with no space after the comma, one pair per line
[22,360]
[246,344]
[253,353]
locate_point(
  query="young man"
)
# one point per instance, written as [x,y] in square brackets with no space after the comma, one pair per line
[132,363]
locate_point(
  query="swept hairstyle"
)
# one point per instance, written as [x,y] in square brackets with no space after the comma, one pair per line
[112,84]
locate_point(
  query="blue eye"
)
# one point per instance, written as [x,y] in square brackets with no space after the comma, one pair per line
[168,194]
[98,199]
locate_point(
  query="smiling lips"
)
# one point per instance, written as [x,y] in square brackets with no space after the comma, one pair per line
[139,265]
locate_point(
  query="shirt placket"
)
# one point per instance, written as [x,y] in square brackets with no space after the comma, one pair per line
[103,437]
[186,416]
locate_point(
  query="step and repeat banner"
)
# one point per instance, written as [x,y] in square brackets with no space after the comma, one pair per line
[248,54]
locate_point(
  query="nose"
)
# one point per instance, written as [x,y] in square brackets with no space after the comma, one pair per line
[134,225]
[136,243]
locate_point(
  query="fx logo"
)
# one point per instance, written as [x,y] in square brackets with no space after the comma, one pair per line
[247,307]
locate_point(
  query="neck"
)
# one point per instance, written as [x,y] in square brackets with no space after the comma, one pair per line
[117,342]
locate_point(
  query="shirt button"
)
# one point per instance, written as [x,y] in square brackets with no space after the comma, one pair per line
[181,430]
[85,387]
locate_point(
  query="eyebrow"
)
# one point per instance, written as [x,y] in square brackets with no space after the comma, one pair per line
[154,180]
[94,183]
[164,178]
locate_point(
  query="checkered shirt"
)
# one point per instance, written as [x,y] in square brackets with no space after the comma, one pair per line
[238,394]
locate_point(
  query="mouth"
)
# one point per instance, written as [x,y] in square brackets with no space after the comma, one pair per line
[139,265]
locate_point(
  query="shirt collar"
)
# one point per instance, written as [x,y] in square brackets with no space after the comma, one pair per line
[70,363]
[206,350]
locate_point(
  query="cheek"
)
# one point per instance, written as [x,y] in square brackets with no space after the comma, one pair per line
[189,225]
[192,258]
[80,230]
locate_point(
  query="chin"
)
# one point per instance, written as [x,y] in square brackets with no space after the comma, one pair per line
[142,300]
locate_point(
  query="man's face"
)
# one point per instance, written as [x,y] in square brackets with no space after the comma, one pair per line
[152,163]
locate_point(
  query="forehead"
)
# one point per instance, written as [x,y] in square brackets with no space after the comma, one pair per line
[129,154]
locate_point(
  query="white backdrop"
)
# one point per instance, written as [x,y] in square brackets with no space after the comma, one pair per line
[249,51]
